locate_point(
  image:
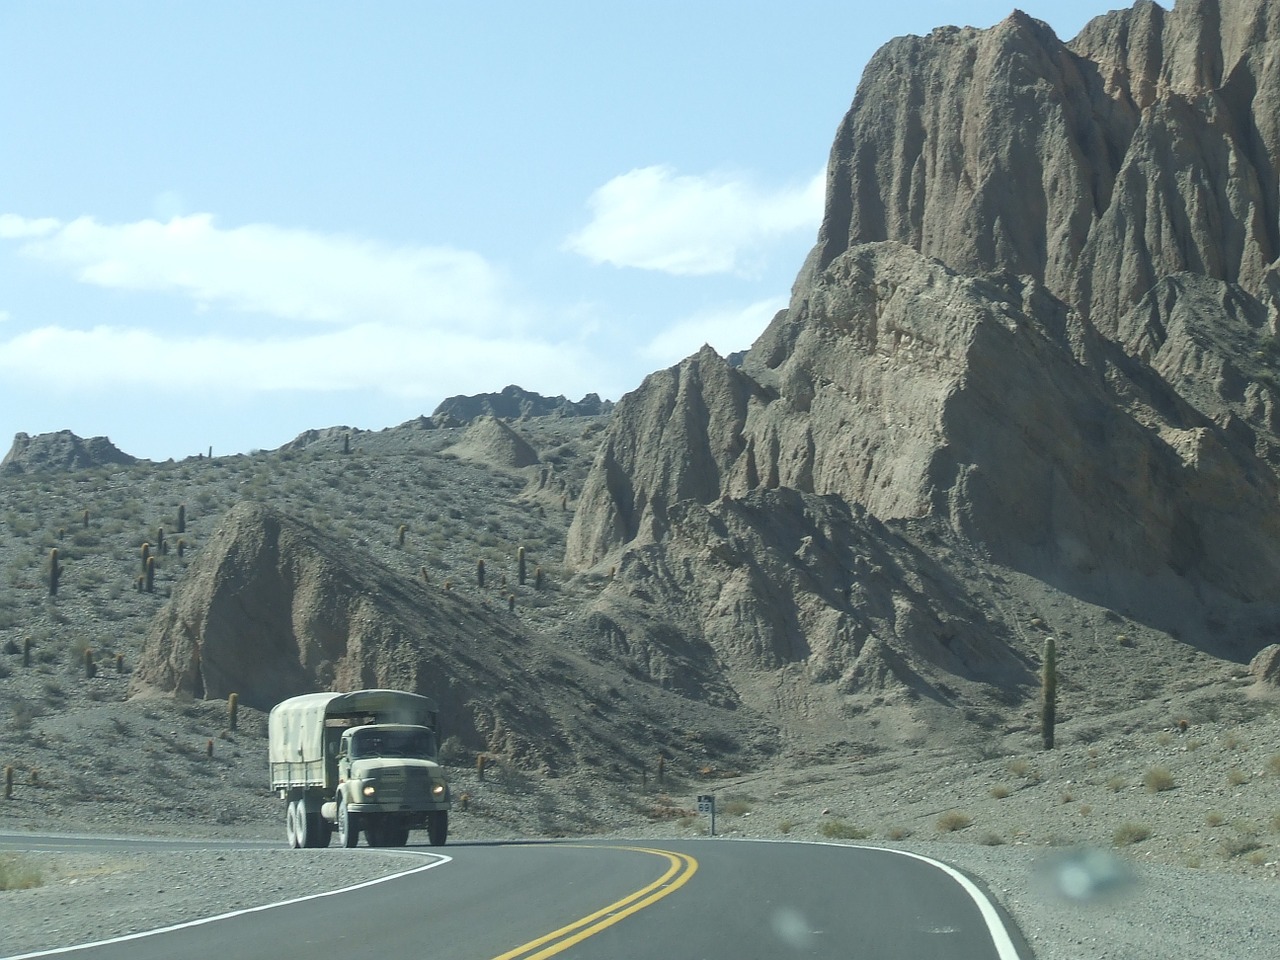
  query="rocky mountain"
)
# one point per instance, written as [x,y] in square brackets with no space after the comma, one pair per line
[62,450]
[513,403]
[1038,326]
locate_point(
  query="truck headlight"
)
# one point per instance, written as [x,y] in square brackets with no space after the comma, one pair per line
[438,790]
[369,790]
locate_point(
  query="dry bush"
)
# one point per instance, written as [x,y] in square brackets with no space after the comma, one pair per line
[1130,833]
[954,820]
[839,830]
[1157,780]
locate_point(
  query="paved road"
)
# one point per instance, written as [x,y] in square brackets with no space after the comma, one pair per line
[680,900]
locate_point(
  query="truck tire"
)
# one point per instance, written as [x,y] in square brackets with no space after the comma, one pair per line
[395,835]
[291,824]
[301,823]
[320,831]
[348,825]
[438,827]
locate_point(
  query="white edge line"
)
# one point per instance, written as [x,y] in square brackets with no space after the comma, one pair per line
[995,925]
[239,913]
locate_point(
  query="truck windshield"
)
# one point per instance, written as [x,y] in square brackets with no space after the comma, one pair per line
[419,744]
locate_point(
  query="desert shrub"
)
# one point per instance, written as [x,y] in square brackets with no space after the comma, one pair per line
[1130,833]
[17,874]
[1239,844]
[1116,784]
[897,833]
[736,807]
[1273,765]
[1214,819]
[991,839]
[786,826]
[954,820]
[1237,777]
[999,791]
[839,830]
[1157,780]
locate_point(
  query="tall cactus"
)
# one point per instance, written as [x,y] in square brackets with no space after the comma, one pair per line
[520,571]
[1048,692]
[480,573]
[151,575]
[55,572]
[146,555]
[182,518]
[233,710]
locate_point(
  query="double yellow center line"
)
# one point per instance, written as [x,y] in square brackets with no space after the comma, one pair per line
[681,868]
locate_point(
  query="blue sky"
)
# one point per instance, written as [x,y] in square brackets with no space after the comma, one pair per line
[224,223]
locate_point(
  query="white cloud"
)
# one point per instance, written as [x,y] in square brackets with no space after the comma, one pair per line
[727,330]
[14,227]
[288,273]
[386,360]
[655,219]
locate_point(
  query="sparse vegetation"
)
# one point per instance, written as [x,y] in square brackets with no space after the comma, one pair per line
[839,830]
[1130,833]
[1157,780]
[954,820]
[17,873]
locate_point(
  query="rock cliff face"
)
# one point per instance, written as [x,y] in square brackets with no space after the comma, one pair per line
[1146,147]
[1041,312]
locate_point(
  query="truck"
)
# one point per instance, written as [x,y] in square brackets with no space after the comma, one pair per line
[359,762]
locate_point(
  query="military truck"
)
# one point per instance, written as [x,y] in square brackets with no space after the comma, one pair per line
[360,762]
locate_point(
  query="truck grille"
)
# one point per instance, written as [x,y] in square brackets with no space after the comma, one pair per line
[403,785]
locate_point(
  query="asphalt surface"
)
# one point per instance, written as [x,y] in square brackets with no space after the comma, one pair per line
[711,899]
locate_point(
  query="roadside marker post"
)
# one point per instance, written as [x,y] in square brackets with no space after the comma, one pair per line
[707,805]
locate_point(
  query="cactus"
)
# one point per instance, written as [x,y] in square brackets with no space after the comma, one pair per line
[8,783]
[233,710]
[511,602]
[26,651]
[55,572]
[480,573]
[480,764]
[662,769]
[208,748]
[119,663]
[182,547]
[146,555]
[346,443]
[182,518]
[140,582]
[520,573]
[162,546]
[400,534]
[537,578]
[1048,692]
[426,577]
[448,584]
[151,575]
[90,668]
[86,519]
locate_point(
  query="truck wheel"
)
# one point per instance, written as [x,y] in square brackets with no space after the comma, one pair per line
[291,824]
[438,827]
[320,831]
[395,835]
[348,826]
[300,823]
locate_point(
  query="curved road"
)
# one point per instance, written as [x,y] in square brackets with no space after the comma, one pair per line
[712,899]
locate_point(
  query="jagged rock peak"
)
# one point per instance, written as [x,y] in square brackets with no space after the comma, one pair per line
[514,403]
[62,450]
[1148,146]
